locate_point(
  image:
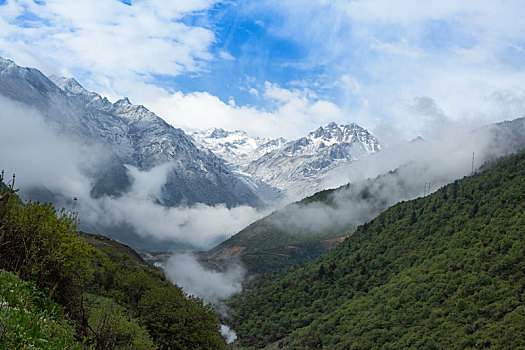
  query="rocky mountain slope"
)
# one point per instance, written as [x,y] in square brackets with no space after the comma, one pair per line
[131,135]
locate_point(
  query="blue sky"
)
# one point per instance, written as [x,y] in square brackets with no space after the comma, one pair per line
[249,52]
[401,68]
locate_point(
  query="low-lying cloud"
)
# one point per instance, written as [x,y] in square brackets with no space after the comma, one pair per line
[212,286]
[200,226]
[31,148]
[397,173]
[228,334]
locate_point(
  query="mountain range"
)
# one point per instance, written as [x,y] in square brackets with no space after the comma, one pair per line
[131,135]
[236,147]
[309,228]
[212,167]
[296,167]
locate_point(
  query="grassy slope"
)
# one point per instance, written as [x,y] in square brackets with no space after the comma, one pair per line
[30,319]
[444,271]
[101,242]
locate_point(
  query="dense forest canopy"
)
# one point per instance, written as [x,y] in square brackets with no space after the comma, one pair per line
[443,271]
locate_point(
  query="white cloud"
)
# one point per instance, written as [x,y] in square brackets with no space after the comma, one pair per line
[106,39]
[461,54]
[199,226]
[401,48]
[226,56]
[228,333]
[297,112]
[499,18]
[185,270]
[116,50]
[212,286]
[467,56]
[29,148]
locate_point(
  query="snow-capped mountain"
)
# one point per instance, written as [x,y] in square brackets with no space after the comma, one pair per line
[298,166]
[236,147]
[132,135]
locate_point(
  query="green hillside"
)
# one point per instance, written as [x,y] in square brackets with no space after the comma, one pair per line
[440,272]
[30,319]
[264,246]
[271,243]
[87,291]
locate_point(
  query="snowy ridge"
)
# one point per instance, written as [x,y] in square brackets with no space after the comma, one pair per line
[236,147]
[298,166]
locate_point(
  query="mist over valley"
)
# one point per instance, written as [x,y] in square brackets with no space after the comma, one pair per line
[262,175]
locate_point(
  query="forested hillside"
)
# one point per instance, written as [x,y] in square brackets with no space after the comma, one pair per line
[56,289]
[266,246]
[305,230]
[439,272]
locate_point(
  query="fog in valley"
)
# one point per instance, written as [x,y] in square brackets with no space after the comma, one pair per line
[59,166]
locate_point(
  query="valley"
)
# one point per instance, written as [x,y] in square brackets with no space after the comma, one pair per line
[262,175]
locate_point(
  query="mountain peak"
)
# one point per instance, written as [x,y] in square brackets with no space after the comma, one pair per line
[220,133]
[24,79]
[236,147]
[417,140]
[72,87]
[69,85]
[339,132]
[299,164]
[317,132]
[217,133]
[123,101]
[6,62]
